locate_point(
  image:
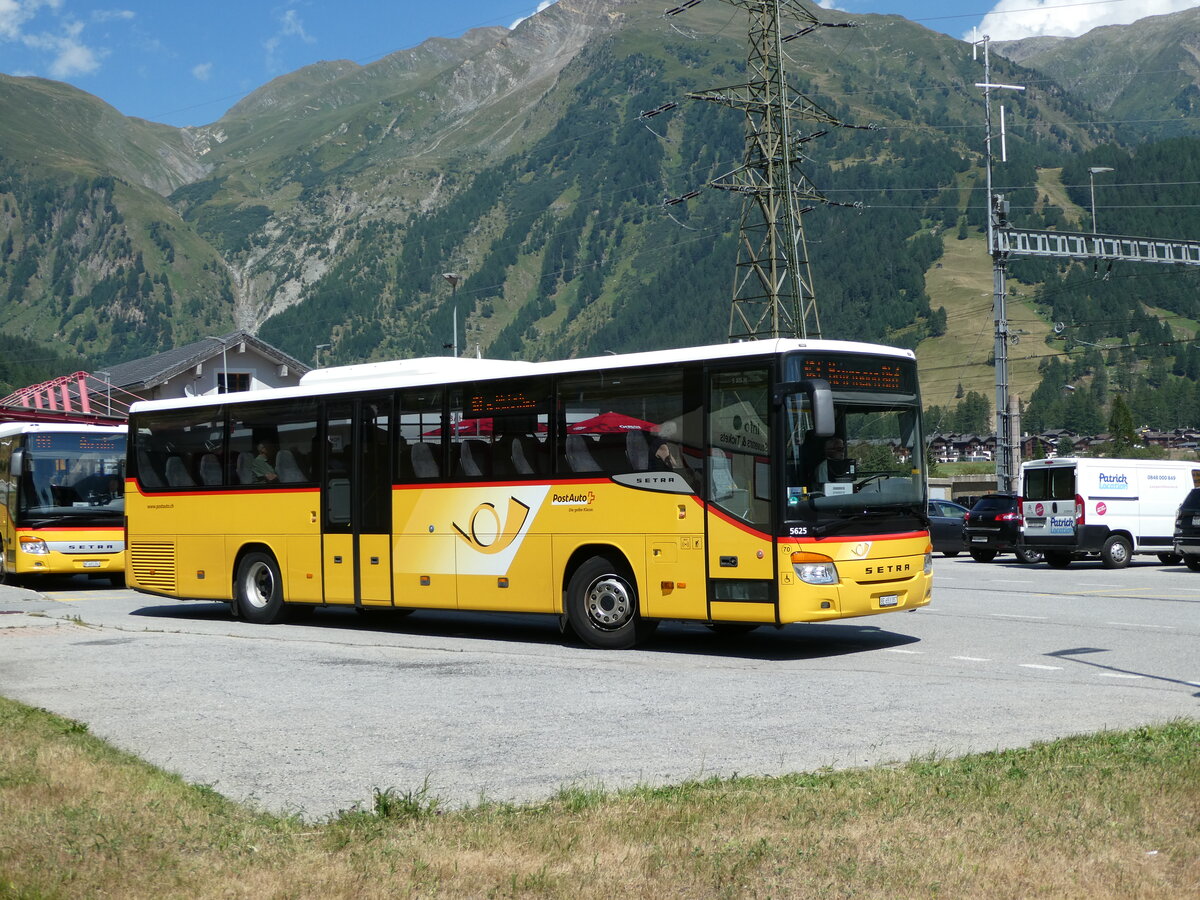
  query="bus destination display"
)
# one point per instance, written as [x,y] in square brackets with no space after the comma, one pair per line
[858,373]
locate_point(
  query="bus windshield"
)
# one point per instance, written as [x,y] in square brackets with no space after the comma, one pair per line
[73,478]
[871,468]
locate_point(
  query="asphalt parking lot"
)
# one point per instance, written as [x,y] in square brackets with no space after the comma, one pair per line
[311,717]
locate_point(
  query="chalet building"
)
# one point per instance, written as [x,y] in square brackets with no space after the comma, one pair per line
[218,365]
[237,361]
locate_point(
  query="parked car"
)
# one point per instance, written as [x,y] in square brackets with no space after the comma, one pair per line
[946,527]
[993,526]
[1187,530]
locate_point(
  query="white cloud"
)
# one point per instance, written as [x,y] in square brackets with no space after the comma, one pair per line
[203,71]
[15,13]
[543,5]
[1013,19]
[109,15]
[290,26]
[60,38]
[71,56]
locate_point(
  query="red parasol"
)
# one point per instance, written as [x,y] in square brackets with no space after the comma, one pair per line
[610,423]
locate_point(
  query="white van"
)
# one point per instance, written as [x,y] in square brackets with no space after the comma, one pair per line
[1074,507]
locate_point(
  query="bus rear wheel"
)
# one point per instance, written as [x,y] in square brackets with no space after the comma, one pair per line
[602,606]
[259,589]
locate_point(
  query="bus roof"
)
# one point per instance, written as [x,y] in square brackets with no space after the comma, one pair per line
[436,370]
[8,429]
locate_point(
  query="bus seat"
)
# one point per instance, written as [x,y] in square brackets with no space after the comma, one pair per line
[147,474]
[721,473]
[579,458]
[245,473]
[423,461]
[637,450]
[177,473]
[286,467]
[520,460]
[210,469]
[474,459]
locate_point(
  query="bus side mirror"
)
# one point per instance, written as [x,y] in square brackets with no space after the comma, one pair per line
[820,397]
[820,402]
[17,463]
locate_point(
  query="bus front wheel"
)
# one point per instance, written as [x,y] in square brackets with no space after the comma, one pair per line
[602,606]
[260,589]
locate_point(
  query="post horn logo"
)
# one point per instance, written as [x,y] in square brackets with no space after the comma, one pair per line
[485,532]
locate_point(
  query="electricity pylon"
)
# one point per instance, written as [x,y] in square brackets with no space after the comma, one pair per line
[773,292]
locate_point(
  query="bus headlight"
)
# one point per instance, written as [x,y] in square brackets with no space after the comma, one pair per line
[34,545]
[929,562]
[814,568]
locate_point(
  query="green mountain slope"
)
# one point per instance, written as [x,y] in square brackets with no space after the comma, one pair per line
[1141,76]
[325,207]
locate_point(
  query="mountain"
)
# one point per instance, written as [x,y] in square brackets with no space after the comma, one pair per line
[1149,77]
[325,207]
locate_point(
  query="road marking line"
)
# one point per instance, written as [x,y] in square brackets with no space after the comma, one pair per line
[1044,668]
[1140,625]
[1015,616]
[1121,588]
[1117,675]
[971,658]
[909,652]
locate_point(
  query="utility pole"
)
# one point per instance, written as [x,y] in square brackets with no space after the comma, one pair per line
[773,293]
[453,279]
[1005,241]
[997,218]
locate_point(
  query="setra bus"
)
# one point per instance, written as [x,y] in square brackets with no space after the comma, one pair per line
[62,501]
[611,492]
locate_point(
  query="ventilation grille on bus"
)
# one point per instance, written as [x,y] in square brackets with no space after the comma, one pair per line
[153,564]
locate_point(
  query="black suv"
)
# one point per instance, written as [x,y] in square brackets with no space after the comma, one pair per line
[994,526]
[1187,530]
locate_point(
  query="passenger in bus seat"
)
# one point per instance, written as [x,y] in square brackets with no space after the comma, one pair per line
[667,454]
[263,465]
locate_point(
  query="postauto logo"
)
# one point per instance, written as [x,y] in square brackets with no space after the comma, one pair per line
[1117,482]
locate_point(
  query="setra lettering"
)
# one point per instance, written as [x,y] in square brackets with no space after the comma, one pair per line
[886,570]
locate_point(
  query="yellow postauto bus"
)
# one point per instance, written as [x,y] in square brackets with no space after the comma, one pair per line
[738,485]
[62,502]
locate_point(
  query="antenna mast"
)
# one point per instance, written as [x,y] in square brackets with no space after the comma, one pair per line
[773,292]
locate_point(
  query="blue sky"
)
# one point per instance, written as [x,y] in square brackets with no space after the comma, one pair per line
[185,63]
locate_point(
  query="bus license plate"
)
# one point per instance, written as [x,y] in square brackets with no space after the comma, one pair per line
[91,563]
[889,600]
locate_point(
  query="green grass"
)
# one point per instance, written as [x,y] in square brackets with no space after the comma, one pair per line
[963,285]
[1113,815]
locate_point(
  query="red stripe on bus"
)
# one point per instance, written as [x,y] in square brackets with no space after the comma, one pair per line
[846,539]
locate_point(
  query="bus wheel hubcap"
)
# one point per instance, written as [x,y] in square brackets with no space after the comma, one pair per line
[259,585]
[609,603]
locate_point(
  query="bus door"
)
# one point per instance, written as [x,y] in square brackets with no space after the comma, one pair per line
[356,502]
[741,555]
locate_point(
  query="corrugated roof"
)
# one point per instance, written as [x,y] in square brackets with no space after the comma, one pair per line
[154,370]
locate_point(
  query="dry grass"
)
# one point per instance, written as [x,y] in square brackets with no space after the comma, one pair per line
[963,285]
[1111,816]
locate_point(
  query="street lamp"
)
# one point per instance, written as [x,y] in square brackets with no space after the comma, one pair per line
[224,363]
[108,391]
[1092,173]
[453,278]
